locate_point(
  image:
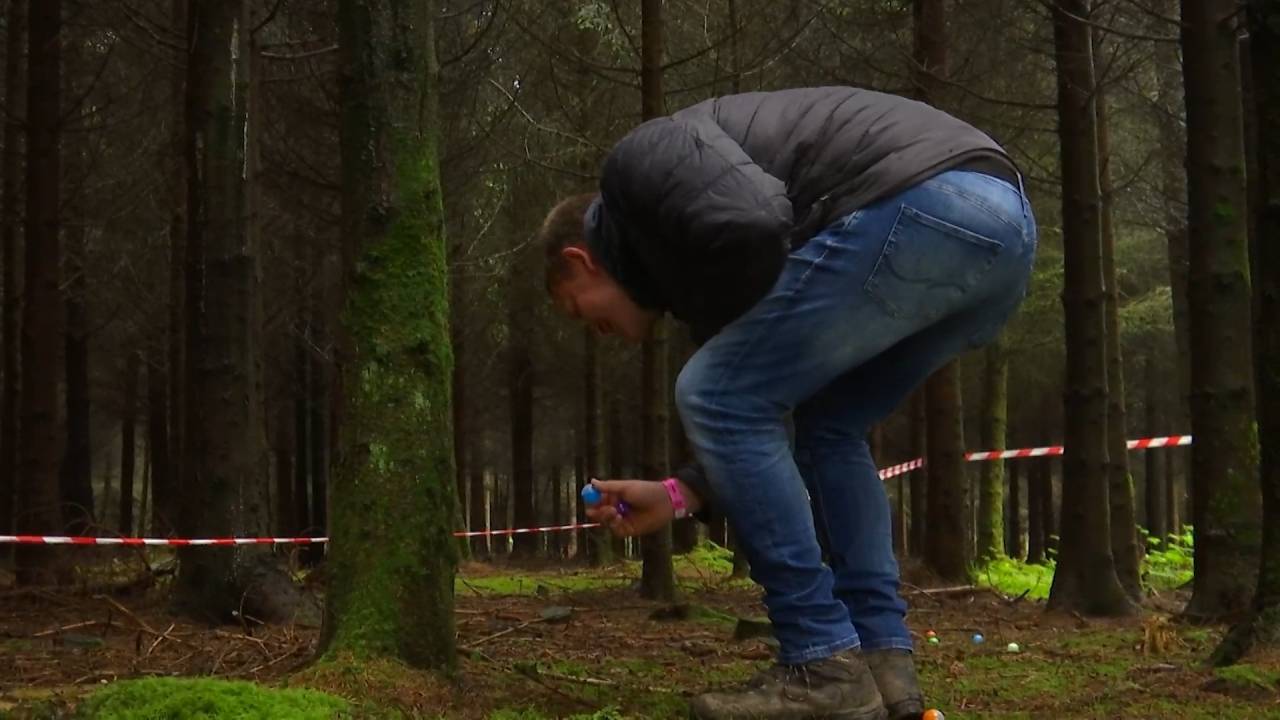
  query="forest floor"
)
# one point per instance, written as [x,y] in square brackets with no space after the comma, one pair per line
[616,656]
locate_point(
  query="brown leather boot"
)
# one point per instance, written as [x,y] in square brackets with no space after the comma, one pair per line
[895,675]
[840,687]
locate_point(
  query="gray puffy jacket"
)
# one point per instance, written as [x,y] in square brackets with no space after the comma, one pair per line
[698,210]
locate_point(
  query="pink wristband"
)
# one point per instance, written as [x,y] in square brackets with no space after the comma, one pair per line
[677,498]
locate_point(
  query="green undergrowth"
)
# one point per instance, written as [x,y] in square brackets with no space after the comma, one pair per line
[204,699]
[708,565]
[1166,567]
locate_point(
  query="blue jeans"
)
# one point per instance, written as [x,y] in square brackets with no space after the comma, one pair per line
[860,315]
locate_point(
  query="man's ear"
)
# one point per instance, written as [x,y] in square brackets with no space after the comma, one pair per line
[580,257]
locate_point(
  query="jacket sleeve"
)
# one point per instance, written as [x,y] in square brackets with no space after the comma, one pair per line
[700,200]
[695,479]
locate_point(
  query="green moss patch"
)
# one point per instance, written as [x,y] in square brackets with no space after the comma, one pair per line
[178,699]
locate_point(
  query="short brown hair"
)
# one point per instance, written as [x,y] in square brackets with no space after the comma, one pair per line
[562,228]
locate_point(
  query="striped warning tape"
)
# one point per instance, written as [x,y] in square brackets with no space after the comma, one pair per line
[885,474]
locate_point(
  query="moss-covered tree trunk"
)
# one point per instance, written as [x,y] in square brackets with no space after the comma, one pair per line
[1263,625]
[392,557]
[1224,458]
[657,579]
[1124,522]
[994,437]
[1085,579]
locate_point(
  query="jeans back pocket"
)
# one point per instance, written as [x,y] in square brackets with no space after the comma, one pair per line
[928,265]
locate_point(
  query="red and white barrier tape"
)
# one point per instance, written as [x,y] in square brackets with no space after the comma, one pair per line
[1140,444]
[885,474]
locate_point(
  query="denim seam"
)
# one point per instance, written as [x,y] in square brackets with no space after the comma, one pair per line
[888,644]
[978,201]
[819,652]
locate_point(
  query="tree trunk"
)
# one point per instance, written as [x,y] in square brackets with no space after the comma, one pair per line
[994,437]
[1124,522]
[394,482]
[128,444]
[1264,54]
[1155,460]
[1224,458]
[520,383]
[167,505]
[479,513]
[284,444]
[43,314]
[158,448]
[947,546]
[16,28]
[301,444]
[684,532]
[457,301]
[919,478]
[555,541]
[318,447]
[657,580]
[78,511]
[498,514]
[1085,580]
[1013,546]
[1037,477]
[226,443]
[597,542]
[1086,516]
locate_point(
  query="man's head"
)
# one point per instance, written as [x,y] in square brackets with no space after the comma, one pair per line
[579,284]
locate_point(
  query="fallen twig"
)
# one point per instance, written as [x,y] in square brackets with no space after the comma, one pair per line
[64,628]
[499,634]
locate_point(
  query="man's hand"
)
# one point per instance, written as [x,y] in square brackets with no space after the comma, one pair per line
[650,509]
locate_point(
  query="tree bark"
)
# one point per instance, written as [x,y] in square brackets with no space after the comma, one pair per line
[128,442]
[1264,54]
[1013,545]
[394,484]
[520,373]
[657,580]
[76,475]
[43,436]
[596,541]
[318,447]
[947,548]
[457,302]
[1155,460]
[158,448]
[226,443]
[1085,579]
[11,175]
[994,437]
[479,513]
[1037,479]
[919,478]
[284,444]
[301,444]
[1224,458]
[1124,523]
[167,505]
[947,541]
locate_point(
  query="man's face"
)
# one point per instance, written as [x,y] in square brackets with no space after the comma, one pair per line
[587,293]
